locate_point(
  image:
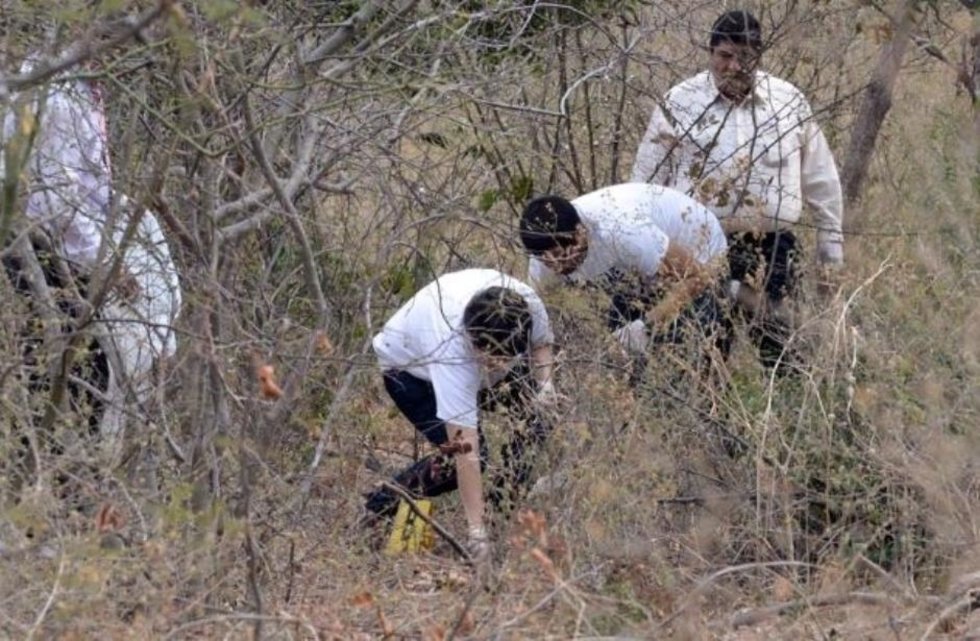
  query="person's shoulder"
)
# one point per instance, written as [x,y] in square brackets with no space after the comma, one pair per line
[696,86]
[780,91]
[475,279]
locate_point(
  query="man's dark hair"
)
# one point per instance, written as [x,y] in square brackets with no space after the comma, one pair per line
[548,222]
[737,27]
[498,321]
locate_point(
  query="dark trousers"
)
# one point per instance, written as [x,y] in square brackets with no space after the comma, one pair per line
[704,317]
[91,365]
[769,263]
[435,474]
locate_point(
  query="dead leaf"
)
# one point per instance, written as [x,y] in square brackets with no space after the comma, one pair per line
[782,589]
[267,382]
[362,599]
[108,519]
[323,344]
[546,563]
[466,625]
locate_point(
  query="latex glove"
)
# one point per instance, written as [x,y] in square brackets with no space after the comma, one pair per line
[546,396]
[478,545]
[634,337]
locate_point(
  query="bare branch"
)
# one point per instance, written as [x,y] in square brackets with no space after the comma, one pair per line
[106,38]
[443,532]
[753,616]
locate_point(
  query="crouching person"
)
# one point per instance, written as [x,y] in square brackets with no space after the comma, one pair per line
[656,252]
[468,340]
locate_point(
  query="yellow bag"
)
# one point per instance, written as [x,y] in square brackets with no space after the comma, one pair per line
[410,533]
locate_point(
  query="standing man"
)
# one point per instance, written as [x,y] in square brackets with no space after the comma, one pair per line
[460,335]
[657,252]
[746,144]
[56,143]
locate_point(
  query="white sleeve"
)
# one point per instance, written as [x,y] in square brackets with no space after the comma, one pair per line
[541,333]
[539,275]
[149,260]
[651,164]
[456,382]
[71,183]
[820,184]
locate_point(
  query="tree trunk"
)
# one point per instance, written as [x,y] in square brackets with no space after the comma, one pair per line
[877,101]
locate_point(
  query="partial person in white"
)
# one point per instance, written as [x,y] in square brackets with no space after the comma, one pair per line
[658,253]
[442,354]
[58,153]
[747,145]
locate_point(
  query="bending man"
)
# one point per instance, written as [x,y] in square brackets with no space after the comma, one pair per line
[463,333]
[657,252]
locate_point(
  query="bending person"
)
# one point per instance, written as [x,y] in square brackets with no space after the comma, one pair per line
[463,335]
[655,251]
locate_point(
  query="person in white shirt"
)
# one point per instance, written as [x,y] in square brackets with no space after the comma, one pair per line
[463,334]
[58,139]
[656,251]
[747,145]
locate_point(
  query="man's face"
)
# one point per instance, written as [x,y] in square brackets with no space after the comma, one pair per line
[733,68]
[566,259]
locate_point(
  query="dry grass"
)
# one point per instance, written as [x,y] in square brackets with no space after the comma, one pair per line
[852,513]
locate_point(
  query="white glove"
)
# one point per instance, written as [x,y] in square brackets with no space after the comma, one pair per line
[546,395]
[478,544]
[634,337]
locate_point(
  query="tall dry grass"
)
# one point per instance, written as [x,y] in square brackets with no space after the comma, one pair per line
[840,502]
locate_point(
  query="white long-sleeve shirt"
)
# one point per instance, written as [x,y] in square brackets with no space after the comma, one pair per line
[70,196]
[69,167]
[630,227]
[760,160]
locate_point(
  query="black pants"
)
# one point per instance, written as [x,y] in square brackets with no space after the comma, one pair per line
[91,365]
[768,263]
[704,317]
[435,474]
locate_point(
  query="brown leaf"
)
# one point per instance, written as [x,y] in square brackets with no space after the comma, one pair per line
[108,519]
[362,599]
[466,625]
[783,589]
[323,344]
[267,382]
[546,563]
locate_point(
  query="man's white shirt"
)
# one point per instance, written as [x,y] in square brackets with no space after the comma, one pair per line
[762,159]
[426,338]
[71,197]
[630,226]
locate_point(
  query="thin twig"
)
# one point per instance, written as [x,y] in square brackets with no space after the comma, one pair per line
[49,602]
[705,582]
[903,589]
[428,519]
[965,603]
[753,616]
[47,69]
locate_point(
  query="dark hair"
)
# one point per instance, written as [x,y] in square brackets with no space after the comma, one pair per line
[738,27]
[498,322]
[548,222]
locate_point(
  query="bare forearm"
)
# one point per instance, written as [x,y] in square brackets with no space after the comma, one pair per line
[542,363]
[468,475]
